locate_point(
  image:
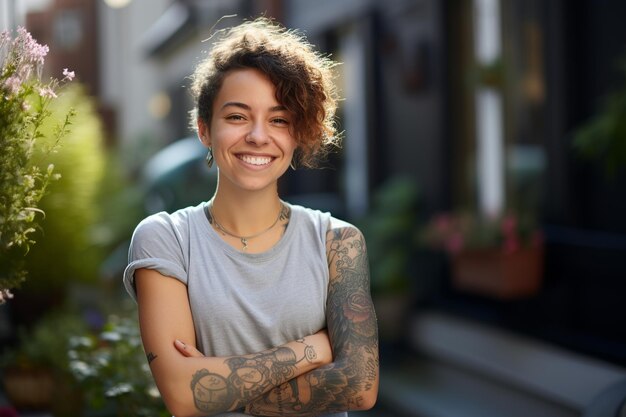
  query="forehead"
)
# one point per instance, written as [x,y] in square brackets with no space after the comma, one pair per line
[249,86]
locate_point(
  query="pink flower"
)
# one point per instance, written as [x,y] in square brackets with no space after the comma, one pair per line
[69,75]
[12,84]
[4,37]
[46,92]
[32,51]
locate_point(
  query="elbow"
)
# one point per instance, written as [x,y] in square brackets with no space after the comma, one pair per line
[177,404]
[367,400]
[177,408]
[368,394]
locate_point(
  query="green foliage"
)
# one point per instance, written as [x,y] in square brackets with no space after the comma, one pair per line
[113,371]
[46,344]
[603,138]
[24,146]
[106,367]
[388,229]
[72,207]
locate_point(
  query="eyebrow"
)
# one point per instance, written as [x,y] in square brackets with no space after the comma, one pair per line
[244,106]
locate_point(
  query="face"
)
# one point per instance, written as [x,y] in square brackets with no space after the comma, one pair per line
[249,133]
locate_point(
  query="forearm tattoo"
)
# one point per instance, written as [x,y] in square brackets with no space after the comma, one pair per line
[248,378]
[354,334]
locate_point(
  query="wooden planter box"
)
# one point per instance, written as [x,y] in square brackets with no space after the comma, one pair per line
[494,273]
[29,389]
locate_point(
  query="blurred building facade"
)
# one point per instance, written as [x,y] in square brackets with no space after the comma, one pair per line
[477,102]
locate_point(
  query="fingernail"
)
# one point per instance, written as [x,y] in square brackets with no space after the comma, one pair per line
[180,343]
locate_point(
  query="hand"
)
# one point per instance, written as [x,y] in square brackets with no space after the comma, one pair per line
[186,350]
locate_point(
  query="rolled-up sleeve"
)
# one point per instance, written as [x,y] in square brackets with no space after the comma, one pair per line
[156,244]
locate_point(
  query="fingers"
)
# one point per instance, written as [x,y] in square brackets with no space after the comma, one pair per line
[187,350]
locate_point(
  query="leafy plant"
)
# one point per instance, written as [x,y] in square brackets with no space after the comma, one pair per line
[36,370]
[454,232]
[45,345]
[389,228]
[24,176]
[104,368]
[113,371]
[72,208]
[604,136]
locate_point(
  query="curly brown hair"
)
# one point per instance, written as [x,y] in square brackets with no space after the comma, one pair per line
[302,76]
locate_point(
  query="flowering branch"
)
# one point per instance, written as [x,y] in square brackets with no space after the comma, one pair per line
[24,102]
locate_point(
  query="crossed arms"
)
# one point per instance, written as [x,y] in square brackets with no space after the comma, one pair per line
[322,373]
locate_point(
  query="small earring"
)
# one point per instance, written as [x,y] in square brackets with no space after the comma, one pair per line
[292,164]
[209,158]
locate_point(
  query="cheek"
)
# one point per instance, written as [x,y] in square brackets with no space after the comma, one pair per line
[291,145]
[223,136]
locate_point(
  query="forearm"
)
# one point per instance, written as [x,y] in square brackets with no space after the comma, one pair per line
[349,383]
[201,386]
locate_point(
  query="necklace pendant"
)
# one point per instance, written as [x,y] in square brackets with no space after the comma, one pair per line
[244,242]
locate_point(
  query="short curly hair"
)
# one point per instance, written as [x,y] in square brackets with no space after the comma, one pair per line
[302,76]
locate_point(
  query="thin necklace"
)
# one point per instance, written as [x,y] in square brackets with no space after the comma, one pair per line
[243,239]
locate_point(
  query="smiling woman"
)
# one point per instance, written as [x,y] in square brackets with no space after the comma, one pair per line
[249,304]
[249,135]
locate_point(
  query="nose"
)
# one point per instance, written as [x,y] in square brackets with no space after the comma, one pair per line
[258,135]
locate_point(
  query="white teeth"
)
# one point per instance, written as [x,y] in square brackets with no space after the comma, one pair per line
[256,160]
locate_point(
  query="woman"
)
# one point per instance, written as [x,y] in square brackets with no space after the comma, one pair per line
[249,305]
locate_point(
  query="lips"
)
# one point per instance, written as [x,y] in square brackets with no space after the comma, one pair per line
[256,160]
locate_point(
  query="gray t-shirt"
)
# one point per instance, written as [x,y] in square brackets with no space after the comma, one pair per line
[240,302]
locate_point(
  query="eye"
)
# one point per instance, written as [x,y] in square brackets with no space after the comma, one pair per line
[280,121]
[235,117]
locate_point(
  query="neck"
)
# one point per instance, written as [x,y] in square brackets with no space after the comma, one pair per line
[246,213]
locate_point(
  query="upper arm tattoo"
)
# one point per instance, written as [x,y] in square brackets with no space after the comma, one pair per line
[351,318]
[354,336]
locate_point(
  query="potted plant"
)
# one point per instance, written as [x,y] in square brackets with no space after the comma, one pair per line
[499,257]
[35,372]
[73,364]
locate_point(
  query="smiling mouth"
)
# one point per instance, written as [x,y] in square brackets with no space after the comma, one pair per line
[255,160]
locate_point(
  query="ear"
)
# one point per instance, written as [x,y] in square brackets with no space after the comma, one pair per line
[203,133]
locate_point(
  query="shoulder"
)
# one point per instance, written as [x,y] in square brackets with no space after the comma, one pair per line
[309,221]
[343,237]
[164,230]
[346,254]
[163,222]
[341,230]
[308,214]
